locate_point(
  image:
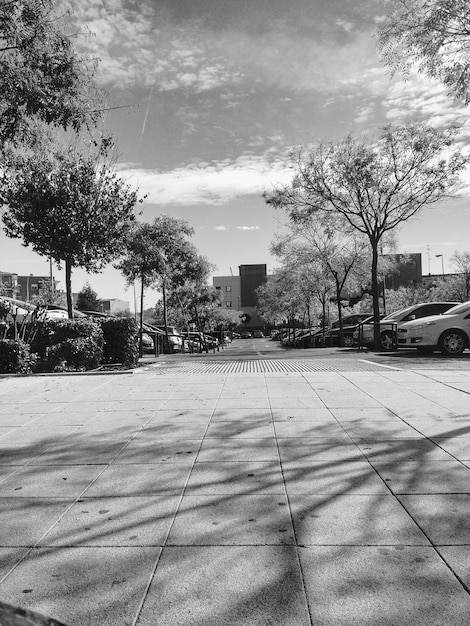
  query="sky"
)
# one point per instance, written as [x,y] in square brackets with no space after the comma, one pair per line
[214,96]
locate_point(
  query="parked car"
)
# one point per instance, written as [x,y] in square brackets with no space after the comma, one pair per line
[197,341]
[245,335]
[301,338]
[350,324]
[257,334]
[387,334]
[448,332]
[174,338]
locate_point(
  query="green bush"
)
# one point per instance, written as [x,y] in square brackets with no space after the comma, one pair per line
[76,353]
[121,341]
[68,344]
[14,357]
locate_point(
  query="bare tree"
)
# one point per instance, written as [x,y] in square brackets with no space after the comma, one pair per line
[375,186]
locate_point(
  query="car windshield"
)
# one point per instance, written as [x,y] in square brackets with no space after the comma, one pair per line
[459,309]
[399,314]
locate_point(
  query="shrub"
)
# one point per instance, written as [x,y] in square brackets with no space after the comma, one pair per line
[121,341]
[14,357]
[68,344]
[77,353]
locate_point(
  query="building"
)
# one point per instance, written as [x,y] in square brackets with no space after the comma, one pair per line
[24,288]
[114,305]
[239,292]
[407,270]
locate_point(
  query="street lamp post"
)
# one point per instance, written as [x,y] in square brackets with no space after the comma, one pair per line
[442,261]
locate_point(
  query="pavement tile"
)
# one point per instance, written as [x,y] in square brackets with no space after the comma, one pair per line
[240,429]
[11,419]
[331,477]
[424,476]
[25,520]
[242,403]
[131,521]
[232,520]
[364,428]
[249,478]
[317,449]
[234,414]
[118,406]
[9,557]
[293,402]
[353,520]
[444,517]
[401,449]
[136,480]
[144,449]
[157,429]
[457,446]
[315,416]
[238,450]
[389,586]
[355,413]
[188,405]
[82,586]
[182,415]
[458,559]
[66,481]
[229,585]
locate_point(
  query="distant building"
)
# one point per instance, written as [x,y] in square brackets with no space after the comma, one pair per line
[239,292]
[114,305]
[24,287]
[409,270]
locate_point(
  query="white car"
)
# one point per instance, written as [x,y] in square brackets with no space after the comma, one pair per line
[448,332]
[387,333]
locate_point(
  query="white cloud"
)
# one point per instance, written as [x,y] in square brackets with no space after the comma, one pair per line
[213,183]
[249,227]
[220,228]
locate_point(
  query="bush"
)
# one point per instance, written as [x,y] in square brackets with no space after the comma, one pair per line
[76,353]
[121,341]
[68,344]
[14,357]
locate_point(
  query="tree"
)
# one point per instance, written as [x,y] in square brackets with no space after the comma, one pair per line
[375,186]
[461,260]
[434,35]
[87,299]
[42,78]
[70,209]
[160,255]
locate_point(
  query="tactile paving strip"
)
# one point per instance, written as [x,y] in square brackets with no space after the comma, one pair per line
[262,366]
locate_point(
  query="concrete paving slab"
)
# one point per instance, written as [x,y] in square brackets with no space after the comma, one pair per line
[142,449]
[293,402]
[161,429]
[238,450]
[25,520]
[99,586]
[118,521]
[389,586]
[332,477]
[355,413]
[444,517]
[458,560]
[243,403]
[364,428]
[234,414]
[458,446]
[314,449]
[236,586]
[353,520]
[240,429]
[182,415]
[181,404]
[66,481]
[250,478]
[9,557]
[442,428]
[136,480]
[424,476]
[232,520]
[402,449]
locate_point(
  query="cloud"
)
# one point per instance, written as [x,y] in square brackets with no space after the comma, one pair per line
[220,228]
[249,227]
[211,184]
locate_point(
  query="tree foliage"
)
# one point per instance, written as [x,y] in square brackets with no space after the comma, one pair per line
[375,186]
[70,209]
[42,78]
[87,299]
[435,36]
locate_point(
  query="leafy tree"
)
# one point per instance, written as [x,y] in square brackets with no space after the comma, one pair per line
[434,35]
[42,78]
[159,255]
[87,299]
[375,186]
[70,209]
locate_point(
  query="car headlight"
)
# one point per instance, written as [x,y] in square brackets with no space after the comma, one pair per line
[423,325]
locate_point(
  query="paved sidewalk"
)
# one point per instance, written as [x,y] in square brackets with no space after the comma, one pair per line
[169,497]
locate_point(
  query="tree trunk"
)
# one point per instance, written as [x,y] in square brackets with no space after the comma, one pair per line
[340,313]
[375,293]
[68,287]
[165,319]
[141,317]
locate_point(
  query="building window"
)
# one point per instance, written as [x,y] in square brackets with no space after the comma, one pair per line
[228,288]
[228,304]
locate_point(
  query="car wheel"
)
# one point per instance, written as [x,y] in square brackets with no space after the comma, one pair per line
[388,340]
[348,341]
[426,349]
[452,343]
